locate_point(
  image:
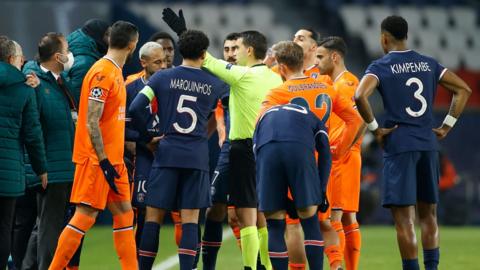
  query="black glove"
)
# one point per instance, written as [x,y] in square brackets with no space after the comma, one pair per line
[110,174]
[323,207]
[176,22]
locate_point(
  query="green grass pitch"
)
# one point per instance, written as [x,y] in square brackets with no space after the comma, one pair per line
[459,249]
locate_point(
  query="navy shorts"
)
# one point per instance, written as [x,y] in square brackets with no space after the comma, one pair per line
[410,177]
[283,165]
[178,188]
[143,165]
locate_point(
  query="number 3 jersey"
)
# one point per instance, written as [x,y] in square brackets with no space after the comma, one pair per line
[186,98]
[407,82]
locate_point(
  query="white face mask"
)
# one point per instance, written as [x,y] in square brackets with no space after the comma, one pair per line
[68,65]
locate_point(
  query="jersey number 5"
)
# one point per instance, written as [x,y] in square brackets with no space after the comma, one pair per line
[183,109]
[417,95]
[320,101]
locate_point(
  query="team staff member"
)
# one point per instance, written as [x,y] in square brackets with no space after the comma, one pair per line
[101,177]
[408,82]
[344,184]
[20,128]
[57,115]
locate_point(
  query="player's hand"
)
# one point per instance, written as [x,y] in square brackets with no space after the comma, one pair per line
[110,174]
[323,207]
[130,147]
[32,80]
[44,179]
[221,136]
[176,22]
[152,145]
[270,60]
[442,131]
[380,134]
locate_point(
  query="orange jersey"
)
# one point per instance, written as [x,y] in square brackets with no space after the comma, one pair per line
[322,99]
[133,77]
[312,72]
[103,83]
[346,83]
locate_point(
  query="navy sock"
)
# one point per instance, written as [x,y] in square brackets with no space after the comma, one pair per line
[313,242]
[148,245]
[410,264]
[187,250]
[431,257]
[199,246]
[277,248]
[139,223]
[212,241]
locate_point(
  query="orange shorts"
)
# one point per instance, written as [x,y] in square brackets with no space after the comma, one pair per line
[91,188]
[344,185]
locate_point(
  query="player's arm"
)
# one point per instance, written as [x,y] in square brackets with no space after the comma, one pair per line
[137,108]
[227,72]
[365,89]
[353,123]
[95,111]
[324,162]
[274,97]
[461,92]
[220,123]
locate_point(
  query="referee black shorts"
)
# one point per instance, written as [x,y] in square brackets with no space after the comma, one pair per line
[242,184]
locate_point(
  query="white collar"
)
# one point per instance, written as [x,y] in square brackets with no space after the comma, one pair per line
[113,61]
[310,67]
[55,75]
[400,51]
[339,75]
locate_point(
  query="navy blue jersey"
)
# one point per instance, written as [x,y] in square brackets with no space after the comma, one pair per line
[186,98]
[294,123]
[407,82]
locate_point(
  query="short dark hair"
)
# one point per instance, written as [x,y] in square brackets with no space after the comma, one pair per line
[7,48]
[397,26]
[334,43]
[161,35]
[192,44]
[121,34]
[289,53]
[49,45]
[313,34]
[232,36]
[257,41]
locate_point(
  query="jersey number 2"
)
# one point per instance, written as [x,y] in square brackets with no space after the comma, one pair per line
[183,109]
[320,101]
[417,95]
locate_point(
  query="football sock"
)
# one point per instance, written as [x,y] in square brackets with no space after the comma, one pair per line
[199,246]
[73,267]
[263,239]
[277,248]
[75,260]
[177,221]
[296,266]
[313,242]
[353,243]
[410,264]
[187,250]
[212,241]
[338,227]
[236,232]
[148,245]
[124,240]
[70,239]
[139,222]
[334,255]
[431,258]
[250,246]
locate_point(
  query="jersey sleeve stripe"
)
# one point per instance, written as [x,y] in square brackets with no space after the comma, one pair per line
[96,99]
[373,75]
[148,92]
[443,73]
[321,132]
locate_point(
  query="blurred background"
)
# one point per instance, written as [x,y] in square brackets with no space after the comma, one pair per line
[448,30]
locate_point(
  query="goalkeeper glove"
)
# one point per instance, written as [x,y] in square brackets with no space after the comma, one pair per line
[323,207]
[176,22]
[110,174]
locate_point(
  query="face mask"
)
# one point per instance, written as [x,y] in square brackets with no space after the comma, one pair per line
[68,65]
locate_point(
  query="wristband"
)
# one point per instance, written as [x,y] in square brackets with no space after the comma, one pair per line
[449,120]
[372,126]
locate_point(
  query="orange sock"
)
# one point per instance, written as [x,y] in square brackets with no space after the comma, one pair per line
[296,266]
[177,221]
[353,243]
[334,255]
[236,232]
[338,227]
[70,239]
[71,267]
[124,240]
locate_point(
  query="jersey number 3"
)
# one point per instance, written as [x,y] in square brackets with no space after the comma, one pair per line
[417,95]
[183,109]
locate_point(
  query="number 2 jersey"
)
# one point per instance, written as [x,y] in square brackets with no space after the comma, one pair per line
[186,98]
[407,82]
